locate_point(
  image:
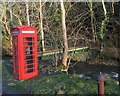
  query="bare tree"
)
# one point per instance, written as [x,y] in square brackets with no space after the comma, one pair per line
[41,28]
[65,51]
[113,9]
[11,13]
[103,29]
[92,20]
[27,12]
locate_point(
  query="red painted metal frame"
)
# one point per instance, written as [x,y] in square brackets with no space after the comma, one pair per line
[21,74]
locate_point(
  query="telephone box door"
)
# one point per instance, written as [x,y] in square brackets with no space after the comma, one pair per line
[30,59]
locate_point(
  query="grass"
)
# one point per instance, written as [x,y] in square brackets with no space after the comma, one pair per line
[59,83]
[55,83]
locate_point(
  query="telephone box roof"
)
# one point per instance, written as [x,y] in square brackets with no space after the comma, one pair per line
[24,27]
[28,29]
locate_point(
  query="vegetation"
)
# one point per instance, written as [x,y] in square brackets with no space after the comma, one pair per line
[59,83]
[61,26]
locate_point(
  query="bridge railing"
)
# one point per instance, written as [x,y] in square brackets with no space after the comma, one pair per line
[56,43]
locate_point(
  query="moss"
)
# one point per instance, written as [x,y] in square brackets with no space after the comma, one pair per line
[61,67]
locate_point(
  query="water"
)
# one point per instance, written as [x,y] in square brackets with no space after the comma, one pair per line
[84,67]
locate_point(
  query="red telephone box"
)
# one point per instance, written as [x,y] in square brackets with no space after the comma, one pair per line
[25,58]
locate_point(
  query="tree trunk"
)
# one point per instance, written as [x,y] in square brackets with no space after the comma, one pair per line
[27,12]
[102,30]
[11,14]
[92,21]
[65,51]
[41,28]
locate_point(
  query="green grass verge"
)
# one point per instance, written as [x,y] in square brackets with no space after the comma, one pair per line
[55,83]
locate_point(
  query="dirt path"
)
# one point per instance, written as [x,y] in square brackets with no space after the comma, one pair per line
[9,90]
